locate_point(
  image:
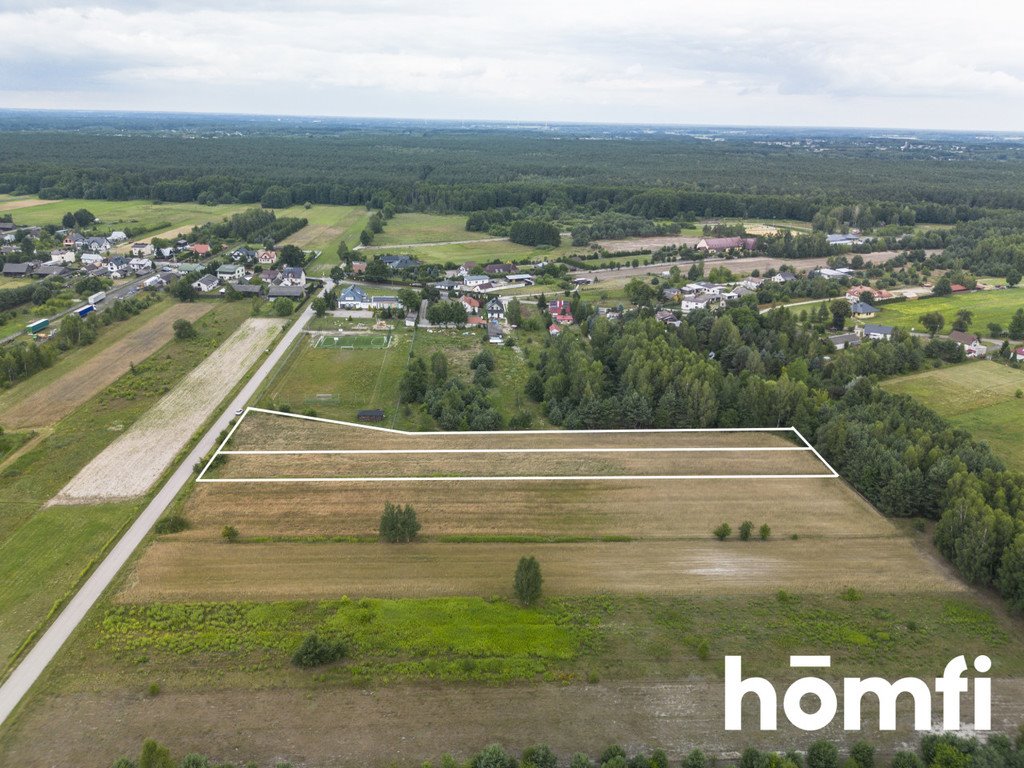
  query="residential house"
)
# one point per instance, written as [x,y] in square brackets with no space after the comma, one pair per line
[877,294]
[844,340]
[875,332]
[693,302]
[154,283]
[521,278]
[475,320]
[384,302]
[206,283]
[91,259]
[200,249]
[831,274]
[972,344]
[498,270]
[96,244]
[118,267]
[270,276]
[62,257]
[293,276]
[702,287]
[561,311]
[554,329]
[472,305]
[393,261]
[495,309]
[475,281]
[140,266]
[358,267]
[243,254]
[784,277]
[467,268]
[726,243]
[862,310]
[142,249]
[266,258]
[668,318]
[73,240]
[230,272]
[117,236]
[353,297]
[752,283]
[671,293]
[741,290]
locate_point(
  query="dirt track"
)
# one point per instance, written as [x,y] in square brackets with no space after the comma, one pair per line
[48,405]
[132,463]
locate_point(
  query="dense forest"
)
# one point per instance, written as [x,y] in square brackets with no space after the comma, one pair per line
[653,175]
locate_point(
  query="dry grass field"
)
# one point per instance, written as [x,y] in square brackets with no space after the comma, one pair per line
[51,403]
[588,462]
[186,571]
[133,462]
[813,508]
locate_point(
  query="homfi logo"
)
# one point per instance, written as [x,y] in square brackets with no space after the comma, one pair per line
[951,686]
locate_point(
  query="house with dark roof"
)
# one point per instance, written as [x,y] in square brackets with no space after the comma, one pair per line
[285,292]
[499,269]
[844,340]
[394,261]
[876,332]
[495,309]
[726,243]
[23,269]
[353,297]
[860,309]
[206,283]
[971,344]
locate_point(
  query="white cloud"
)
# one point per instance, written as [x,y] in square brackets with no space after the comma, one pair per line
[889,63]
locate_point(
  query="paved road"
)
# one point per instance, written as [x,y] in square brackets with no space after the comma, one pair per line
[42,653]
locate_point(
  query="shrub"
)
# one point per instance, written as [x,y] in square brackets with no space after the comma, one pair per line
[745,528]
[171,524]
[493,757]
[723,532]
[229,534]
[765,532]
[580,760]
[540,756]
[316,651]
[863,754]
[528,581]
[183,330]
[155,755]
[703,651]
[611,753]
[906,760]
[822,754]
[696,759]
[398,524]
[851,595]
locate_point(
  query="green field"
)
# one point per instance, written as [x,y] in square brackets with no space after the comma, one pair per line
[483,252]
[328,226]
[35,573]
[405,228]
[988,307]
[368,341]
[979,397]
[143,217]
[339,382]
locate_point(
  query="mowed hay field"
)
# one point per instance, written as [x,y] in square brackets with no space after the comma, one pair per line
[994,306]
[133,462]
[208,571]
[49,404]
[980,397]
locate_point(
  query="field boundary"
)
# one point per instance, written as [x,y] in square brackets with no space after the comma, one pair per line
[222,451]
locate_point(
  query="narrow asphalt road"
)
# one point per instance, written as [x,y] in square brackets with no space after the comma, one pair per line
[42,653]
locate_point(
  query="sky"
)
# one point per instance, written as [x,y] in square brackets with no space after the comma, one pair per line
[925,64]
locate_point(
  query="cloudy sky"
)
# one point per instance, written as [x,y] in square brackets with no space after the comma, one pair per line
[871,63]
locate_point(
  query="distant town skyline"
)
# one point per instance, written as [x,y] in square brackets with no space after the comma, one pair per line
[896,65]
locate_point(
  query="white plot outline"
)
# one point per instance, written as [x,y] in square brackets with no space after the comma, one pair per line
[832,474]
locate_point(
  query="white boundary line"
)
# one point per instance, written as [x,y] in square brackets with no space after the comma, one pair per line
[516,478]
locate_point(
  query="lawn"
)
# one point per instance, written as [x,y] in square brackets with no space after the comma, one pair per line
[979,397]
[483,252]
[996,306]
